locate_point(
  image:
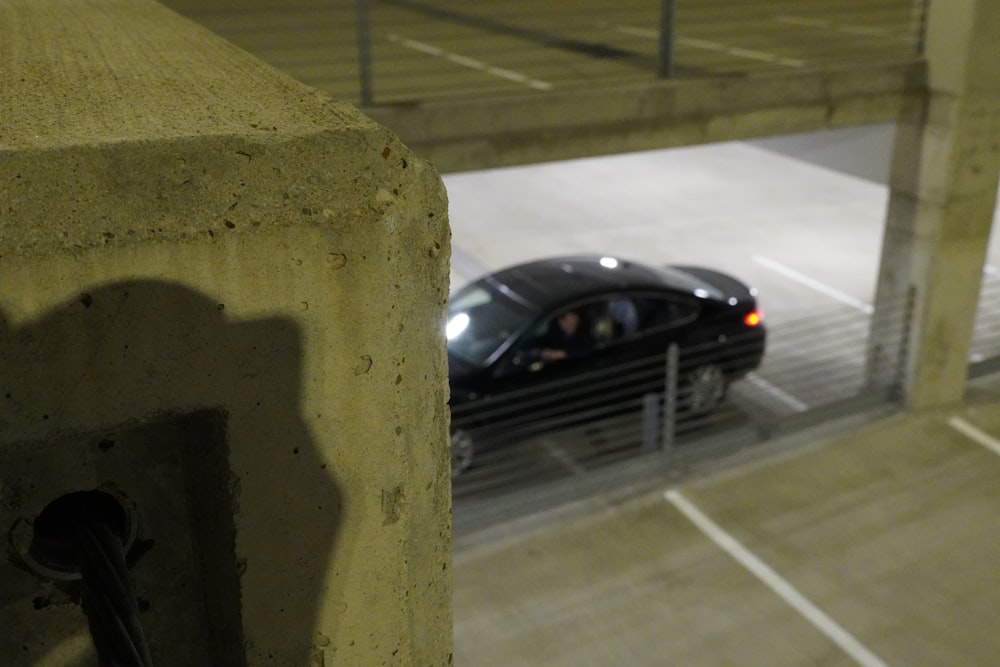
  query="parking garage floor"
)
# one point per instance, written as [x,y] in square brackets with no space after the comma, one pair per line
[874,547]
[871,541]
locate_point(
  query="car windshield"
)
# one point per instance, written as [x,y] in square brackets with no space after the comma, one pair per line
[480,319]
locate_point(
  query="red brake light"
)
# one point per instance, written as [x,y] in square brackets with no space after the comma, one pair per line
[753,318]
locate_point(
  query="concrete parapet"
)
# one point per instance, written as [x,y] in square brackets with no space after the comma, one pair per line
[221,298]
[475,134]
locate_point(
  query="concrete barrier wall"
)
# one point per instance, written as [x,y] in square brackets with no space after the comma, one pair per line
[221,298]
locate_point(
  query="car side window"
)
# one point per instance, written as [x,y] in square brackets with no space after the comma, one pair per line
[623,313]
[570,333]
[644,314]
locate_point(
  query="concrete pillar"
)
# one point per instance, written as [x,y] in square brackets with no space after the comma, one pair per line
[221,306]
[943,192]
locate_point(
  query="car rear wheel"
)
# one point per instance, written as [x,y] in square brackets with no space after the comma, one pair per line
[706,387]
[462,451]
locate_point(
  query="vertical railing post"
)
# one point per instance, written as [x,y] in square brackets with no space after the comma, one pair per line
[665,55]
[898,390]
[651,420]
[365,52]
[921,8]
[672,373]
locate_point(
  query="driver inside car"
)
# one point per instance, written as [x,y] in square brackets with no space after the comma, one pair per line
[567,336]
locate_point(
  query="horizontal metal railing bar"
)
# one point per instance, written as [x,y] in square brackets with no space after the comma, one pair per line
[707,42]
[644,376]
[827,371]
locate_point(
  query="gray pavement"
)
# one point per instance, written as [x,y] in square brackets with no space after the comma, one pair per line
[808,235]
[873,547]
[437,49]
[876,547]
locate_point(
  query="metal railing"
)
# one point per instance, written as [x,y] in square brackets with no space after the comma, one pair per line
[984,355]
[816,367]
[379,52]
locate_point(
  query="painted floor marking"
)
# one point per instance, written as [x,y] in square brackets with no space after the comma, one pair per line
[777,392]
[716,47]
[976,434]
[866,31]
[471,63]
[857,651]
[563,457]
[814,284]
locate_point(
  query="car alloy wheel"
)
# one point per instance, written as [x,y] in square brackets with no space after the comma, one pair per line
[461,452]
[706,388]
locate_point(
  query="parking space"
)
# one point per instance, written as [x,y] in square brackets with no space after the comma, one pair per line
[876,548]
[425,50]
[807,236]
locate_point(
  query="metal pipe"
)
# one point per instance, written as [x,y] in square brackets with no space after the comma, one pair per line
[651,422]
[665,55]
[671,389]
[365,52]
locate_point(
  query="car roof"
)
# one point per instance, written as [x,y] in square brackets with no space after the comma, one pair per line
[547,283]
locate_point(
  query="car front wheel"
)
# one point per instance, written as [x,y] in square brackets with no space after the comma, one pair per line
[462,451]
[706,387]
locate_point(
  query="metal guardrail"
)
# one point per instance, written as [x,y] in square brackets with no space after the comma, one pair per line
[643,38]
[816,367]
[380,52]
[984,353]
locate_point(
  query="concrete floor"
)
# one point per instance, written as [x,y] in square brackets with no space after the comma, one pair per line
[875,547]
[440,49]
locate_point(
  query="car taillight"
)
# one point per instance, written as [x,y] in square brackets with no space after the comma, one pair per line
[753,318]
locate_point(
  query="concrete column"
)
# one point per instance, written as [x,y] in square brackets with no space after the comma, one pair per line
[222,300]
[943,192]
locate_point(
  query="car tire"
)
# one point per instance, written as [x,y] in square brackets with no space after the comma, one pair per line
[462,452]
[705,388]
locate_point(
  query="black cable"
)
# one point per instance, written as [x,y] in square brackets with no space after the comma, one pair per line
[108,598]
[89,529]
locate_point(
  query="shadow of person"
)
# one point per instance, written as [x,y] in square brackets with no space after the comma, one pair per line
[147,388]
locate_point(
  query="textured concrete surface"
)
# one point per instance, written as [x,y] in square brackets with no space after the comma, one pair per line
[877,547]
[472,86]
[220,299]
[943,193]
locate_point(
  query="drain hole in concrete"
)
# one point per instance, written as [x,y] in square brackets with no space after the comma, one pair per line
[54,548]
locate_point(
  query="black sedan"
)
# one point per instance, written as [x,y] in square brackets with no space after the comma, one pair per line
[556,342]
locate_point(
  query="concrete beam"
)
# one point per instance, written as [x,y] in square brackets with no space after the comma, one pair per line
[221,298]
[474,134]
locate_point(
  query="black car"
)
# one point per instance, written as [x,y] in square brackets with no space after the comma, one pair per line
[554,342]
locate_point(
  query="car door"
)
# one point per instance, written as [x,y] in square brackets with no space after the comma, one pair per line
[632,360]
[533,386]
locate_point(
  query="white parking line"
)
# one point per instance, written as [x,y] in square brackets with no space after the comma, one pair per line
[814,284]
[563,457]
[777,392]
[775,582]
[471,63]
[716,47]
[864,30]
[973,433]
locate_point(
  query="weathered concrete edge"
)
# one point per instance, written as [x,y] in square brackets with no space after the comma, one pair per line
[188,189]
[461,135]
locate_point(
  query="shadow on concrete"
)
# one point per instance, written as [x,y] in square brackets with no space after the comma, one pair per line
[148,390]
